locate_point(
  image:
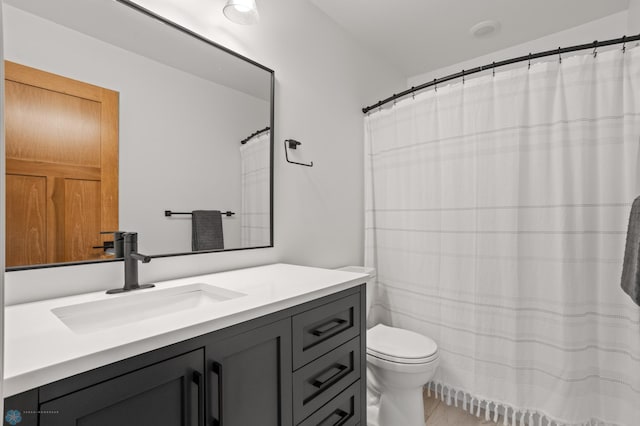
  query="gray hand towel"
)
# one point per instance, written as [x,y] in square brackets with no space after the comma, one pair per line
[206,230]
[631,265]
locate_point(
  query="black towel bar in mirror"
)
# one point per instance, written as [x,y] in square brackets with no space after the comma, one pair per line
[169,213]
[293,144]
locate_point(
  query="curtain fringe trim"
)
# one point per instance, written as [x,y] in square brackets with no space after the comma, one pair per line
[511,416]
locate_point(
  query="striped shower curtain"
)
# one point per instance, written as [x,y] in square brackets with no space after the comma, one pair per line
[255,218]
[496,212]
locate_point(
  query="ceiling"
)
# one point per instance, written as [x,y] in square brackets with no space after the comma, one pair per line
[153,39]
[417,36]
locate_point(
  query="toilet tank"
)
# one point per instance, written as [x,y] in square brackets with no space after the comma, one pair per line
[370,281]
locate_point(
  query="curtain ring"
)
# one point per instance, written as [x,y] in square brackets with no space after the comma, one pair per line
[462,76]
[493,69]
[529,66]
[395,100]
[413,92]
[559,56]
[435,84]
[595,48]
[624,44]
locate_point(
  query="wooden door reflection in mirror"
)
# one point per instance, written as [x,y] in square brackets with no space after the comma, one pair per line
[61,167]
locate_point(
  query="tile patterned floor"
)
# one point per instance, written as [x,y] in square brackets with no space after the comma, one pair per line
[438,413]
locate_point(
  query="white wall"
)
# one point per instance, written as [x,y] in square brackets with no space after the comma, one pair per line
[170,157]
[609,27]
[323,79]
[633,26]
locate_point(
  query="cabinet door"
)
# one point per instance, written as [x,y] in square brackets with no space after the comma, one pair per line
[250,377]
[169,393]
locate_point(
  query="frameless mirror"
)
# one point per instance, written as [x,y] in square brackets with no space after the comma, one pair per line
[119,120]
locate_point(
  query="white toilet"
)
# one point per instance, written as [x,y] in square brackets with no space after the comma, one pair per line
[399,363]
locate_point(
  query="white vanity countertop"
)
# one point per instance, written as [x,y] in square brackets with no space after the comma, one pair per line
[40,348]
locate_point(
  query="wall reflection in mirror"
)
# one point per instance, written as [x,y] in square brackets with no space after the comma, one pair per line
[114,117]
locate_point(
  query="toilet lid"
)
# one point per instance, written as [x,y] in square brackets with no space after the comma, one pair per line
[400,345]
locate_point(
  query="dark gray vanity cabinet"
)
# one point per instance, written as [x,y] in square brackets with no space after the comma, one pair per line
[329,367]
[169,393]
[250,377]
[302,366]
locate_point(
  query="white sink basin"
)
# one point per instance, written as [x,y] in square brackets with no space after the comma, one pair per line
[130,308]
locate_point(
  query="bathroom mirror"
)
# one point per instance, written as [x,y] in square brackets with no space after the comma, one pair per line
[115,117]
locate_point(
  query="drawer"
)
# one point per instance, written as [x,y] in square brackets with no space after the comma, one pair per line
[319,330]
[320,381]
[343,410]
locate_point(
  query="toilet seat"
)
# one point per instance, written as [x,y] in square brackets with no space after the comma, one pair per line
[400,346]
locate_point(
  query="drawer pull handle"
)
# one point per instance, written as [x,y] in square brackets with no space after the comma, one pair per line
[342,417]
[326,376]
[327,327]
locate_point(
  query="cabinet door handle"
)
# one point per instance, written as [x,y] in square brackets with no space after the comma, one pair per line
[197,379]
[328,326]
[342,417]
[327,375]
[216,367]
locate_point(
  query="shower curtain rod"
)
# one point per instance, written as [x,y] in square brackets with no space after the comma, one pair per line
[559,51]
[256,133]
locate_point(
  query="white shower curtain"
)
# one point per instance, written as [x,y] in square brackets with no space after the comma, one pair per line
[255,219]
[496,213]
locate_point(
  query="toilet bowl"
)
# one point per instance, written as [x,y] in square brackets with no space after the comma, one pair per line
[399,363]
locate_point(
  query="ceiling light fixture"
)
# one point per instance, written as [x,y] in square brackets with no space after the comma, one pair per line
[484,28]
[243,12]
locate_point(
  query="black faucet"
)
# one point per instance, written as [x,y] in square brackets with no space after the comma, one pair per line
[131,258]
